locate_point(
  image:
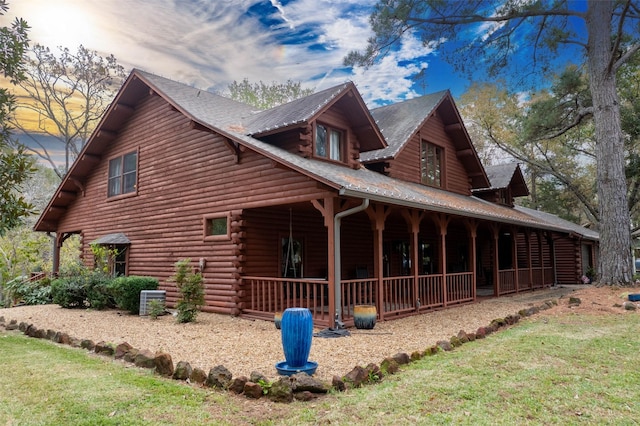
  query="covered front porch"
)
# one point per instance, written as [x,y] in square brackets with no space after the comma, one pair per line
[333,254]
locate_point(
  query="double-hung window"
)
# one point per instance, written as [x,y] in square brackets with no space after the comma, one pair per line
[123,174]
[431,164]
[329,143]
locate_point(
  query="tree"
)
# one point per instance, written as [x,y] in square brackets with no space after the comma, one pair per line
[265,96]
[67,95]
[15,164]
[608,36]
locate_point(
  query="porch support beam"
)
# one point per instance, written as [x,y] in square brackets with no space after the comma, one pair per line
[378,215]
[413,218]
[514,250]
[495,230]
[442,221]
[527,234]
[472,227]
[327,208]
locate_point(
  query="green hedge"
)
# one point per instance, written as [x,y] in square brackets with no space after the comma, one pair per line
[126,291]
[88,289]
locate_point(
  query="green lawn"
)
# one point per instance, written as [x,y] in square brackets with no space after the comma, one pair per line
[568,370]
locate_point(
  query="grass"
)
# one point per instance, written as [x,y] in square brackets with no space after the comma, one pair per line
[546,370]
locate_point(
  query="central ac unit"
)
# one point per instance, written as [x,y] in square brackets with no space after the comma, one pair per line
[147,296]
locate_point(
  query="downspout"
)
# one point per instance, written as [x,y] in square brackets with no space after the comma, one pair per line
[336,255]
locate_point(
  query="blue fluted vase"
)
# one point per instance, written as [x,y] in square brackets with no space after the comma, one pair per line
[297,332]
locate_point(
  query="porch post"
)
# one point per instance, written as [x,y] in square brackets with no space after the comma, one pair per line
[530,257]
[443,222]
[495,229]
[540,255]
[56,241]
[414,218]
[327,208]
[473,233]
[514,250]
[378,214]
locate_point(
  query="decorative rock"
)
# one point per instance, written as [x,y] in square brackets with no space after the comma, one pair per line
[198,376]
[444,345]
[87,344]
[431,350]
[498,323]
[356,377]
[28,329]
[338,384]
[12,326]
[183,371]
[122,349]
[373,372]
[257,377]
[302,382]
[481,333]
[164,364]
[51,334]
[237,385]
[512,319]
[219,377]
[145,359]
[574,301]
[23,326]
[40,333]
[629,306]
[389,366]
[402,358]
[281,391]
[252,390]
[130,356]
[62,338]
[455,342]
[104,348]
[75,342]
[463,336]
[416,355]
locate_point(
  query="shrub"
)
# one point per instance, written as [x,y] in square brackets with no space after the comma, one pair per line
[126,291]
[88,289]
[69,292]
[191,291]
[20,289]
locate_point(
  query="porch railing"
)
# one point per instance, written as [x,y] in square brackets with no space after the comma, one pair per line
[460,287]
[268,295]
[357,292]
[507,281]
[430,292]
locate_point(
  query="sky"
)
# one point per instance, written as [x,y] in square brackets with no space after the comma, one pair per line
[211,43]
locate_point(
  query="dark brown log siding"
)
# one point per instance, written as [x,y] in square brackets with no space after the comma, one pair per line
[183,175]
[406,165]
[568,260]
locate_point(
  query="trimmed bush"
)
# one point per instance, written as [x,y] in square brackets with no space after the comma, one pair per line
[126,291]
[88,289]
[69,292]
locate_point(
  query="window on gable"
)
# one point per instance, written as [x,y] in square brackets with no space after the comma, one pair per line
[431,164]
[123,174]
[329,143]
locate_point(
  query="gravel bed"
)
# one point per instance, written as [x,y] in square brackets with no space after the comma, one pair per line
[244,346]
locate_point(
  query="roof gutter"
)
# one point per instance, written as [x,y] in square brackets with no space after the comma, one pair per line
[337,285]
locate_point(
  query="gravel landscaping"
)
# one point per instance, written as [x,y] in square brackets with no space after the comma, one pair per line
[244,346]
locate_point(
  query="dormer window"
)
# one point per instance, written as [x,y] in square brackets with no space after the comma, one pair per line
[329,143]
[431,164]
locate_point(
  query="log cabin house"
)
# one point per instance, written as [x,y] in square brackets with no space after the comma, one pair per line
[319,203]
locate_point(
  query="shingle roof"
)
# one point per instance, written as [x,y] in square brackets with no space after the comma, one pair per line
[500,175]
[294,112]
[562,223]
[398,122]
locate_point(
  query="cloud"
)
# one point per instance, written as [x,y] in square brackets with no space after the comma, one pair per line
[209,44]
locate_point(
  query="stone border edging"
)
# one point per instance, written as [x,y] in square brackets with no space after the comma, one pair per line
[285,389]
